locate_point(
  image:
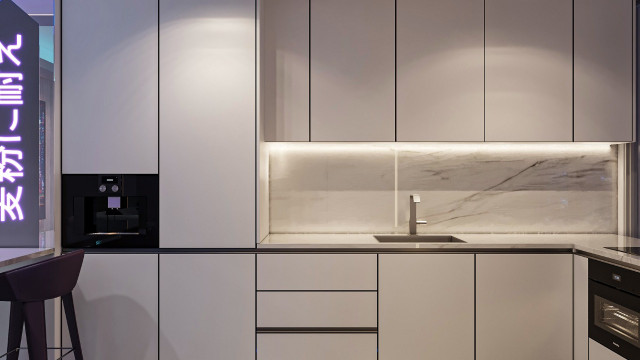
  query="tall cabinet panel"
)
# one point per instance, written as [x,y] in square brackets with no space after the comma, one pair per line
[604,70]
[284,62]
[529,70]
[524,305]
[440,70]
[207,306]
[580,308]
[207,123]
[116,303]
[426,306]
[352,70]
[110,87]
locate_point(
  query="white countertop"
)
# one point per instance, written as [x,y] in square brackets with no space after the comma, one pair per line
[11,256]
[593,244]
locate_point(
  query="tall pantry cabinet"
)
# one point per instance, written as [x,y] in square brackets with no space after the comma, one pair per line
[207,178]
[167,87]
[207,123]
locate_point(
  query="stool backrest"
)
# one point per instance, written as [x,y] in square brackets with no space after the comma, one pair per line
[43,280]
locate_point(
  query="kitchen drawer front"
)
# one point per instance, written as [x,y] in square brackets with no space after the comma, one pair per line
[317,309]
[317,346]
[317,272]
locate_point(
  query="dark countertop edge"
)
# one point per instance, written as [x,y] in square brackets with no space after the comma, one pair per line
[316,250]
[34,255]
[539,249]
[606,259]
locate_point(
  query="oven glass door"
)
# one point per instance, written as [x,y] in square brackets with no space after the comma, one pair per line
[617,319]
[613,319]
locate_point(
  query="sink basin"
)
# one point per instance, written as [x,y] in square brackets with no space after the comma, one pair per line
[419,238]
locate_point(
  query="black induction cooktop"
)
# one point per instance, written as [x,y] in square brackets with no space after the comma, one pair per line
[634,250]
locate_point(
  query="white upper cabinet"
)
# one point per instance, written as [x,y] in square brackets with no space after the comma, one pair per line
[440,62]
[604,71]
[110,87]
[352,70]
[529,72]
[438,70]
[284,62]
[207,123]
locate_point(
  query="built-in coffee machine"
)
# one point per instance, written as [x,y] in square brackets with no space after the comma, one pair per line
[110,211]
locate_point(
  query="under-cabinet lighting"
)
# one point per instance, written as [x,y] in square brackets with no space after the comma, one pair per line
[539,147]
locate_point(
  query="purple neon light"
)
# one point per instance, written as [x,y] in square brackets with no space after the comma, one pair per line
[11,94]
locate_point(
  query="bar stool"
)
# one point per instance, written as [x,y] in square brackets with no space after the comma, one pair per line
[27,288]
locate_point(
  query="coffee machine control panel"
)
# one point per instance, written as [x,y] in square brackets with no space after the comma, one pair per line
[109,184]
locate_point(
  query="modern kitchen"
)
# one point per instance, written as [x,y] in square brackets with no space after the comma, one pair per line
[319,179]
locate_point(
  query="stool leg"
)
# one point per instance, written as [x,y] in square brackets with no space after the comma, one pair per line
[36,329]
[16,322]
[70,312]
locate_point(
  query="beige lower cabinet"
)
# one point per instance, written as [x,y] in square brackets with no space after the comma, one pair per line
[317,346]
[426,306]
[300,272]
[317,309]
[207,307]
[116,305]
[524,306]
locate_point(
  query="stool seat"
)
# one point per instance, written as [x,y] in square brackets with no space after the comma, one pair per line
[27,288]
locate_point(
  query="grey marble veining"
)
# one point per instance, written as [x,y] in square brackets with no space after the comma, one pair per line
[485,188]
[516,170]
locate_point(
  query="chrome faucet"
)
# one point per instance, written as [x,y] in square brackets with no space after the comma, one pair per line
[413,222]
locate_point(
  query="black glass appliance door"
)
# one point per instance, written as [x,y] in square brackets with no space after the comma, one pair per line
[613,319]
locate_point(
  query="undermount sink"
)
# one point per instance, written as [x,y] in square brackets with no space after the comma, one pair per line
[419,238]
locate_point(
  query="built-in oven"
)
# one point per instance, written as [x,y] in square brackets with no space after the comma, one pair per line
[110,211]
[614,308]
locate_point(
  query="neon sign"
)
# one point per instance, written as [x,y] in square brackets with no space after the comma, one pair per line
[19,122]
[10,169]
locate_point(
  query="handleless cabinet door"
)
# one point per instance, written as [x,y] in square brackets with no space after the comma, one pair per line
[352,70]
[300,272]
[116,304]
[317,346]
[440,70]
[529,70]
[110,87]
[207,306]
[604,70]
[316,309]
[524,305]
[284,69]
[207,123]
[426,306]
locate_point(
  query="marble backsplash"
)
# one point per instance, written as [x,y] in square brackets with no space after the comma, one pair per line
[465,188]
